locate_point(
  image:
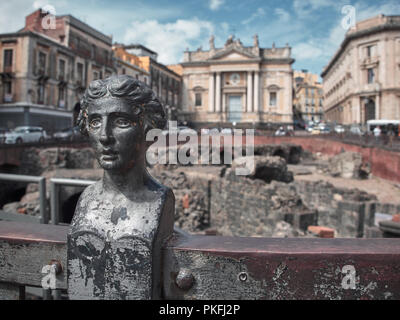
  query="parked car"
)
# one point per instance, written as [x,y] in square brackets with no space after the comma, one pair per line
[280,132]
[26,134]
[3,132]
[226,131]
[324,128]
[310,126]
[178,130]
[315,130]
[68,134]
[356,130]
[339,128]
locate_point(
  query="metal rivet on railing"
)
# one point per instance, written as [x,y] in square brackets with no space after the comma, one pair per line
[56,265]
[242,276]
[184,279]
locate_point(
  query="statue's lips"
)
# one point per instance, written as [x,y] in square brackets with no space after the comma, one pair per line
[109,155]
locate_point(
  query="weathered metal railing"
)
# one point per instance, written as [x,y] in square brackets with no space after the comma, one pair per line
[212,267]
[41,181]
[55,184]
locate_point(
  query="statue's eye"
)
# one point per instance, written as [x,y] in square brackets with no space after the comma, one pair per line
[122,123]
[95,123]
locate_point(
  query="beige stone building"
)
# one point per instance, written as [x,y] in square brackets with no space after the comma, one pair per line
[44,71]
[129,64]
[362,80]
[308,96]
[164,81]
[237,84]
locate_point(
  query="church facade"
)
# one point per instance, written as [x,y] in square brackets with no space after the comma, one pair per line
[237,85]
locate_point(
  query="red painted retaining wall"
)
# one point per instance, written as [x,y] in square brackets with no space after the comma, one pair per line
[384,164]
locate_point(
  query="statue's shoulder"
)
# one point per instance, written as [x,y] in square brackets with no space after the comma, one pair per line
[89,193]
[165,192]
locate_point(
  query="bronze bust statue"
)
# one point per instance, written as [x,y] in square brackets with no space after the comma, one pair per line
[120,222]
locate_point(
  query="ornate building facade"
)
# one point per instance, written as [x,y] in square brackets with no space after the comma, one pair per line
[129,64]
[44,71]
[164,81]
[362,80]
[308,96]
[236,84]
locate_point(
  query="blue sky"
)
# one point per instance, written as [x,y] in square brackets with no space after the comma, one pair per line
[313,28]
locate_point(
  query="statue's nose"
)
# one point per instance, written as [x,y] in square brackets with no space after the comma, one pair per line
[105,132]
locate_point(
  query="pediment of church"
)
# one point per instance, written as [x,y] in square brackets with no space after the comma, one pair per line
[233,55]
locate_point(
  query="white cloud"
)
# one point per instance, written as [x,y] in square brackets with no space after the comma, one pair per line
[364,11]
[306,7]
[304,51]
[216,4]
[259,13]
[169,40]
[283,14]
[39,4]
[225,27]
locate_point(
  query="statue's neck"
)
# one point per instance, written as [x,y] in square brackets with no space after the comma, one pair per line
[128,183]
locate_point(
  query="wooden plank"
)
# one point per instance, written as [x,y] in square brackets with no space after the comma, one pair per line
[24,263]
[9,291]
[266,268]
[26,248]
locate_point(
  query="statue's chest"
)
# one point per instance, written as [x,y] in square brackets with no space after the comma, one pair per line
[111,243]
[115,219]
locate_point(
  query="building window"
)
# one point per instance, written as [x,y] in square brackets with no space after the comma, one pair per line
[370,51]
[7,91]
[61,96]
[95,75]
[93,52]
[80,72]
[272,98]
[371,75]
[197,99]
[40,93]
[61,70]
[42,62]
[7,61]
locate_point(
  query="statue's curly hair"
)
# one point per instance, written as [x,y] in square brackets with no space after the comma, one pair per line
[125,87]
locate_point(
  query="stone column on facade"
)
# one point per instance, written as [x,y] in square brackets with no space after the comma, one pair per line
[223,102]
[378,107]
[218,93]
[256,92]
[211,93]
[249,91]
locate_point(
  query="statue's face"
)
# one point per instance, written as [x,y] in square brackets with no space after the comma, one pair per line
[116,133]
